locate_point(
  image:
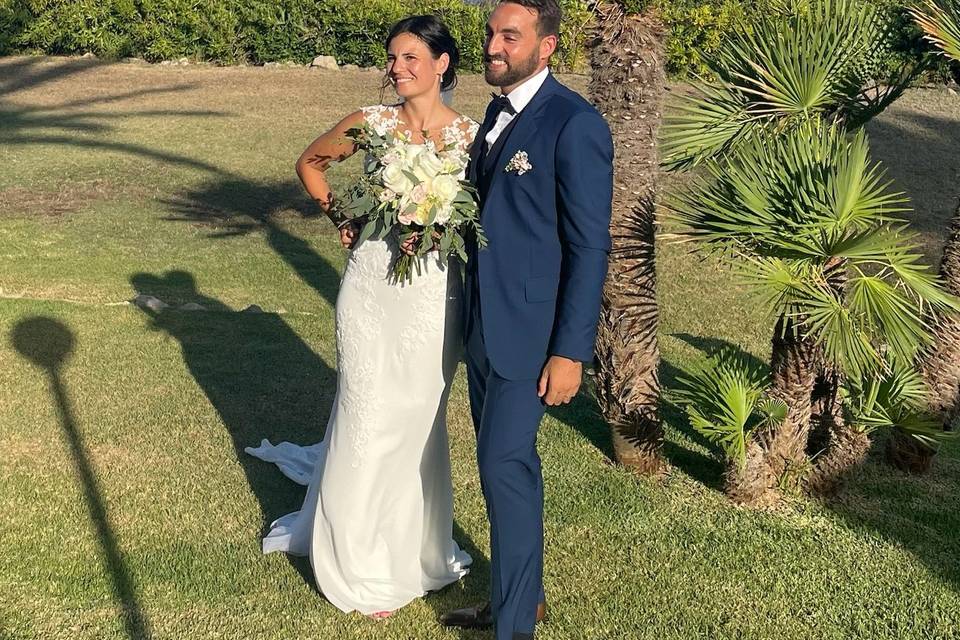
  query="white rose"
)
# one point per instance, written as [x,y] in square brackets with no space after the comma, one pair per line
[443,215]
[446,188]
[428,166]
[410,153]
[395,179]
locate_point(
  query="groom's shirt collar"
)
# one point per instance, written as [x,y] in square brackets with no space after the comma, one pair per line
[519,98]
[521,95]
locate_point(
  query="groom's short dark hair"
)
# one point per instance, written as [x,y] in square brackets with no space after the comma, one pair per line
[549,15]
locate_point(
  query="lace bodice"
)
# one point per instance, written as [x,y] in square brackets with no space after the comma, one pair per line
[385,120]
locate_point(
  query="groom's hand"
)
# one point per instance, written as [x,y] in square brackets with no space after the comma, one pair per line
[560,380]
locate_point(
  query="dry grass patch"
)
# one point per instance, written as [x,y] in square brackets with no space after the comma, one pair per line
[70,197]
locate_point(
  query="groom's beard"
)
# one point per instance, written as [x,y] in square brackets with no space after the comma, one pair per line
[511,74]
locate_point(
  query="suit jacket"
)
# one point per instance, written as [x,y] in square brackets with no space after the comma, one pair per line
[540,279]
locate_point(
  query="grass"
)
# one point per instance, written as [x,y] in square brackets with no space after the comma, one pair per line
[130,510]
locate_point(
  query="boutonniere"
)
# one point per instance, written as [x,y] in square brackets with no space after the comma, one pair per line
[519,163]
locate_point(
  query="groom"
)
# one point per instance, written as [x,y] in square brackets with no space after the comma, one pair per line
[542,166]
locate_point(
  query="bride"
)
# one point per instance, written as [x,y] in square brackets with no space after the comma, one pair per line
[377,519]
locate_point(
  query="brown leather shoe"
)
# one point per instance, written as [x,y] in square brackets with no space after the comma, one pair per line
[479,616]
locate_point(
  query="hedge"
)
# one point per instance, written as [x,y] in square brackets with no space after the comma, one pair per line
[258,31]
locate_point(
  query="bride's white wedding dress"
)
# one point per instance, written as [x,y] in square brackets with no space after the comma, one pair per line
[377,520]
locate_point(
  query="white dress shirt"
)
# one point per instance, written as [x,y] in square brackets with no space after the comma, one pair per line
[519,98]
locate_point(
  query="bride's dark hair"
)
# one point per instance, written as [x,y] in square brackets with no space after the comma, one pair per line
[434,33]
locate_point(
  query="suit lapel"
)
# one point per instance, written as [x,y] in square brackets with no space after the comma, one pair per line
[526,126]
[479,144]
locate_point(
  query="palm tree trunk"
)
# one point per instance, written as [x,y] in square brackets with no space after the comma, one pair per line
[907,454]
[837,448]
[842,449]
[795,362]
[627,81]
[777,457]
[754,483]
[941,366]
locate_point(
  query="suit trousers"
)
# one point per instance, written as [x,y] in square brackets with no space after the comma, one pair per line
[506,416]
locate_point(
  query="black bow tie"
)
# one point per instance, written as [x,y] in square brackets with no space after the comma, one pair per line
[502,103]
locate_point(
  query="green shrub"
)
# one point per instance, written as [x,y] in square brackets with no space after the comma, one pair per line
[14,16]
[697,29]
[81,25]
[167,29]
[257,31]
[281,30]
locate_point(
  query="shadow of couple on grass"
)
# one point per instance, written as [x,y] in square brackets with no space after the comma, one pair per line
[264,381]
[257,372]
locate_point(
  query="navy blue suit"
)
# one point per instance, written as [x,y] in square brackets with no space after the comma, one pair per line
[533,292]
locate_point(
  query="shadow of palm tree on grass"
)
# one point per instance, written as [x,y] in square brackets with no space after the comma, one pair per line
[918,513]
[28,72]
[236,206]
[63,125]
[919,152]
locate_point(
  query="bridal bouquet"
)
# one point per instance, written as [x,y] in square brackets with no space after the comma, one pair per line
[415,192]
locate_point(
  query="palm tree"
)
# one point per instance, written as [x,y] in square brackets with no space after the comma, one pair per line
[729,403]
[814,63]
[807,220]
[940,22]
[817,60]
[627,83]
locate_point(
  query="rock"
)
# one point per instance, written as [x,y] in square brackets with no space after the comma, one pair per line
[271,64]
[253,309]
[350,67]
[183,61]
[328,63]
[951,91]
[372,69]
[192,306]
[88,55]
[149,302]
[292,63]
[132,60]
[165,63]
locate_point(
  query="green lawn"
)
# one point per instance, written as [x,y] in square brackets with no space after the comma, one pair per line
[129,508]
